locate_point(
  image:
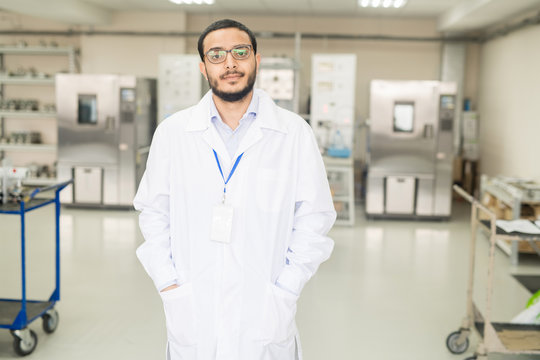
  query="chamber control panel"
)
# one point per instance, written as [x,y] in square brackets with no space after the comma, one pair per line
[447,111]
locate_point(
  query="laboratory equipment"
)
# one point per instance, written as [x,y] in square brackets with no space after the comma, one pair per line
[105,126]
[411,149]
[333,79]
[11,182]
[180,83]
[278,76]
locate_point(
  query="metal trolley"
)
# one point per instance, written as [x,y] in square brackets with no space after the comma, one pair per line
[496,337]
[16,314]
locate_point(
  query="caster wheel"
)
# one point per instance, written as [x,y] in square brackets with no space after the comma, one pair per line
[50,321]
[453,346]
[25,345]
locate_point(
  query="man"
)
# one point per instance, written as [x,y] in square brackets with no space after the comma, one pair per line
[235,207]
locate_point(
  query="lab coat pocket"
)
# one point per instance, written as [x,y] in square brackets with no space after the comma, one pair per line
[279,314]
[179,315]
[271,188]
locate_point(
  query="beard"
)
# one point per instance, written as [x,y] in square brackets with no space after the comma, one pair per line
[232,96]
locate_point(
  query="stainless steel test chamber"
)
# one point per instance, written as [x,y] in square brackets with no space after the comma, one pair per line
[411,149]
[105,126]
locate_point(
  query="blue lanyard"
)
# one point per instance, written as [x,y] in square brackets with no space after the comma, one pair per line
[230,174]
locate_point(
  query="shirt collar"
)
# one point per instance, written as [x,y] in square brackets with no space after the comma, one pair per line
[268,114]
[251,112]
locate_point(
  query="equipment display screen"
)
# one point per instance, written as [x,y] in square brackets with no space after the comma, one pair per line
[448,102]
[87,109]
[127,95]
[403,117]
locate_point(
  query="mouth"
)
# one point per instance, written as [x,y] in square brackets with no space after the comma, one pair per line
[232,76]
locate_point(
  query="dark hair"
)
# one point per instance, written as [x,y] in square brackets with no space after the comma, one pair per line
[225,24]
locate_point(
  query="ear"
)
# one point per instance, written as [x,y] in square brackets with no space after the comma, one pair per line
[258,60]
[202,69]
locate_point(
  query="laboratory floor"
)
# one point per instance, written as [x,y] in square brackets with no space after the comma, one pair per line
[391,290]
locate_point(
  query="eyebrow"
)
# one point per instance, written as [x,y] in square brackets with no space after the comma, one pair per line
[221,48]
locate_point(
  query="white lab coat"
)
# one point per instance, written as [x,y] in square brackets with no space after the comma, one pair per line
[228,306]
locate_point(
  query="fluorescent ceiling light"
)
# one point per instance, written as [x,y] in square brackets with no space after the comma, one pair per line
[378,3]
[195,2]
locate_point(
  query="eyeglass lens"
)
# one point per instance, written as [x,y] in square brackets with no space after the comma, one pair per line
[219,55]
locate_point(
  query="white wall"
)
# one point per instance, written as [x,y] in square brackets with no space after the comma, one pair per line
[509,105]
[133,55]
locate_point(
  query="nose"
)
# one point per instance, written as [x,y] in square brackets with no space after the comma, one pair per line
[230,62]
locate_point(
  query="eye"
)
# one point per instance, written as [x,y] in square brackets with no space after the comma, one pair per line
[215,55]
[241,52]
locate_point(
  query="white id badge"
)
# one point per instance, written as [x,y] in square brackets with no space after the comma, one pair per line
[222,216]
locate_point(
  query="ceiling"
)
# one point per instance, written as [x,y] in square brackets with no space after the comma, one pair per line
[452,15]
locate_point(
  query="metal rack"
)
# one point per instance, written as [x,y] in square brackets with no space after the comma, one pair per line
[6,80]
[17,314]
[514,197]
[341,179]
[496,337]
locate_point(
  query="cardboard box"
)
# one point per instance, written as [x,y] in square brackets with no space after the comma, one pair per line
[536,209]
[457,169]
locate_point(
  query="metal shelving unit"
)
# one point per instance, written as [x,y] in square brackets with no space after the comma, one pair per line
[6,80]
[341,179]
[496,337]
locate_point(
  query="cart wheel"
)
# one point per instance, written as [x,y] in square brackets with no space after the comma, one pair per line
[50,321]
[453,346]
[471,358]
[23,347]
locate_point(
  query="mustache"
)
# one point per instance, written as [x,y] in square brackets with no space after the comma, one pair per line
[231,72]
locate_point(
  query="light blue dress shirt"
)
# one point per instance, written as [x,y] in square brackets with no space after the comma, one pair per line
[231,137]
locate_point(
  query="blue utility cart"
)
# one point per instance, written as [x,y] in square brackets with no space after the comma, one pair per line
[16,314]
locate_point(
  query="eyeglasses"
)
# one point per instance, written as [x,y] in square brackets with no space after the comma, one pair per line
[240,52]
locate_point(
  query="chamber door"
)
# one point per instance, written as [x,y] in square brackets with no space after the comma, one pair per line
[88,123]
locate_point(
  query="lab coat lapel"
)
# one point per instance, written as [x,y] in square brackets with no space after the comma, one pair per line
[200,121]
[212,138]
[253,135]
[267,118]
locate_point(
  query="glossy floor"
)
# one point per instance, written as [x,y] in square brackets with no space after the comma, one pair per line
[391,290]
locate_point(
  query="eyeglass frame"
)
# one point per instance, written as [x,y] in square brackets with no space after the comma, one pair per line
[249,46]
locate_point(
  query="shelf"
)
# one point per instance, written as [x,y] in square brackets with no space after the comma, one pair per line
[36,50]
[341,198]
[29,147]
[337,162]
[28,114]
[39,181]
[26,80]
